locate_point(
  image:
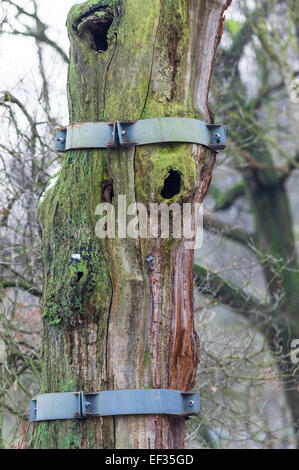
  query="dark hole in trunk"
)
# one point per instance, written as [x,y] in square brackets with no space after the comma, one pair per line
[99,35]
[108,193]
[172,185]
[79,275]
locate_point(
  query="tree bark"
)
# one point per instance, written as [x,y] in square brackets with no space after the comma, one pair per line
[112,321]
[277,248]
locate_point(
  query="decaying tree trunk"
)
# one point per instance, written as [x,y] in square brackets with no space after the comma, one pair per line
[112,320]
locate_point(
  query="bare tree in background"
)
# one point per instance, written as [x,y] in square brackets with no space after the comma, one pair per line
[26,161]
[264,149]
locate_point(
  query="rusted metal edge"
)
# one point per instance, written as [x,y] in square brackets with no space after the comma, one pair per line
[91,135]
[78,405]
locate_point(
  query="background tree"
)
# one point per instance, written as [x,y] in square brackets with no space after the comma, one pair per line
[27,161]
[264,148]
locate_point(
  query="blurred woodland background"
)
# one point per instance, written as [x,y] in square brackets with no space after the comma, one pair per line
[246,274]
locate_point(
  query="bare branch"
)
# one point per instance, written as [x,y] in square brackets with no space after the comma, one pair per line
[215,286]
[226,200]
[21,285]
[39,33]
[225,230]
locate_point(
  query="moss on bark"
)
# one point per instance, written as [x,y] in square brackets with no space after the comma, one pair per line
[109,321]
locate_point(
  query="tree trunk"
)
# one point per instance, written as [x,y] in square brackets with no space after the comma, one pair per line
[279,261]
[112,320]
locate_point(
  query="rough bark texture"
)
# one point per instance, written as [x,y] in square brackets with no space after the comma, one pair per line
[110,320]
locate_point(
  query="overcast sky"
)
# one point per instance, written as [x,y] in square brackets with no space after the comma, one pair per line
[18,64]
[17,53]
